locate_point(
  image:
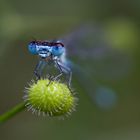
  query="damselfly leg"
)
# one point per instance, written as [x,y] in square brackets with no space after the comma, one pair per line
[39,68]
[62,69]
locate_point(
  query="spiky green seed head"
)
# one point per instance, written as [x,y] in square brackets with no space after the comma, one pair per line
[54,99]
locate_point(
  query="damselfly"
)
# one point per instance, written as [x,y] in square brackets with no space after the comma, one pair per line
[93,59]
[50,52]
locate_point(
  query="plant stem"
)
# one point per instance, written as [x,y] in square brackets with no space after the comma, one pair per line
[9,114]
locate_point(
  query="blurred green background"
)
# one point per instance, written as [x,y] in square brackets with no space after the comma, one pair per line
[103,41]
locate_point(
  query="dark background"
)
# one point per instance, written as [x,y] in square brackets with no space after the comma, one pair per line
[102,38]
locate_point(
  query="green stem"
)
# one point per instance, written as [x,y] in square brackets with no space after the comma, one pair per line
[9,114]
